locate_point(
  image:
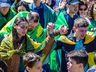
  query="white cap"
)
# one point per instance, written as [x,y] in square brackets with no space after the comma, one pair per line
[4,4]
[28,1]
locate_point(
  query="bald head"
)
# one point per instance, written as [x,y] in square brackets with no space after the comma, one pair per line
[33,16]
[33,19]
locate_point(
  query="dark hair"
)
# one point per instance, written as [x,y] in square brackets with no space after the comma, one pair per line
[82,3]
[33,16]
[79,56]
[14,32]
[91,13]
[3,66]
[22,3]
[81,22]
[19,19]
[30,59]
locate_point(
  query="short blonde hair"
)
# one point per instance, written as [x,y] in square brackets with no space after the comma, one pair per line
[81,22]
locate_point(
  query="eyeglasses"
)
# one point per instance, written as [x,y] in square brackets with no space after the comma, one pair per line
[24,27]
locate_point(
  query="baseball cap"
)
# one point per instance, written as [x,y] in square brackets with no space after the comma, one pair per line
[73,2]
[4,3]
[28,1]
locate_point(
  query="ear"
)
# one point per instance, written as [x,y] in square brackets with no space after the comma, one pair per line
[81,65]
[15,26]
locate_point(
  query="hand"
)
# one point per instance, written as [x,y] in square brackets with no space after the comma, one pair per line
[50,27]
[48,2]
[63,30]
[55,8]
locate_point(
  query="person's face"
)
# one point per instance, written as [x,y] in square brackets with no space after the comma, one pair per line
[21,28]
[21,8]
[36,68]
[36,1]
[94,9]
[81,32]
[72,66]
[83,11]
[73,8]
[32,24]
[4,10]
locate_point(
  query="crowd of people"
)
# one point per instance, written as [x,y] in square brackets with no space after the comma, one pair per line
[47,35]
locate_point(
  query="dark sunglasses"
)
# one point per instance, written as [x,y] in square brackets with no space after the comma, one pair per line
[82,9]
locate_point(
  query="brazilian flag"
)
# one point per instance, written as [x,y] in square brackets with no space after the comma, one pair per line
[53,54]
[59,22]
[38,34]
[92,25]
[7,29]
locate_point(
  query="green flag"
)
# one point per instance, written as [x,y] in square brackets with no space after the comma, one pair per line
[38,33]
[60,21]
[8,27]
[92,25]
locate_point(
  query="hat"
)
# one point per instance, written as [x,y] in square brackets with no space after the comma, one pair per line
[28,1]
[4,3]
[73,2]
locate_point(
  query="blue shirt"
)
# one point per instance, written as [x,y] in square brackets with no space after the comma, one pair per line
[70,21]
[79,45]
[40,11]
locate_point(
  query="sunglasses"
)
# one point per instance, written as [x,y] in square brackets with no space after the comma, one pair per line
[81,9]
